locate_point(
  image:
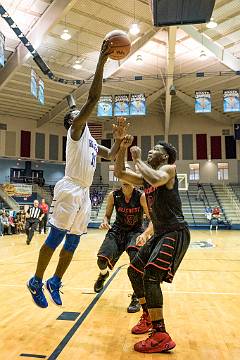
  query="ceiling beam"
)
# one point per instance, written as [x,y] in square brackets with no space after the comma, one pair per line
[55,10]
[172,31]
[214,114]
[222,55]
[111,69]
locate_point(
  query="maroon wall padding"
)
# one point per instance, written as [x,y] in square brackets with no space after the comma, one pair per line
[201,141]
[25,150]
[134,143]
[216,147]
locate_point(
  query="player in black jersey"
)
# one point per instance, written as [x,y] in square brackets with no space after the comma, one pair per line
[159,258]
[126,233]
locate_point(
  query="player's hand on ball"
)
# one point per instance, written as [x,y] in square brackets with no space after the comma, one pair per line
[120,129]
[141,239]
[105,226]
[126,142]
[136,153]
[105,50]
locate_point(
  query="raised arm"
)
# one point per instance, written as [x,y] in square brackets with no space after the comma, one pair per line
[120,170]
[80,117]
[108,213]
[154,177]
[119,132]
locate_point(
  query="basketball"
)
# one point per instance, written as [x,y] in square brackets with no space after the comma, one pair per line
[119,44]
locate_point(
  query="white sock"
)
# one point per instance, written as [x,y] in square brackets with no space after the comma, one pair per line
[104,271]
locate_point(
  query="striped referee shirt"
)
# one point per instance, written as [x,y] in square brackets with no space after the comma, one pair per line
[34,212]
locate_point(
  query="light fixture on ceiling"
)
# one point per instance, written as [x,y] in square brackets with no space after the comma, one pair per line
[139,59]
[211,24]
[203,55]
[77,65]
[65,35]
[134,28]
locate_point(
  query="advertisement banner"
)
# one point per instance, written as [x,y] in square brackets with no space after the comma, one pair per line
[137,104]
[105,106]
[231,101]
[18,190]
[203,102]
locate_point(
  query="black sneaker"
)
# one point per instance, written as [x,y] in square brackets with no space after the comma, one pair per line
[98,286]
[134,305]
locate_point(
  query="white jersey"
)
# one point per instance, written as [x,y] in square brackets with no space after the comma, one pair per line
[81,158]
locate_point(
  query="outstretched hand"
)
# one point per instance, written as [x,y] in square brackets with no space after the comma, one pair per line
[105,51]
[120,129]
[136,153]
[126,142]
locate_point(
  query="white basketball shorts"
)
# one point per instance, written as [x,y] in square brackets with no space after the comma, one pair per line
[71,207]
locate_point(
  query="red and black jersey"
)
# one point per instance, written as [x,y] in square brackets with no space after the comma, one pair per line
[129,215]
[165,207]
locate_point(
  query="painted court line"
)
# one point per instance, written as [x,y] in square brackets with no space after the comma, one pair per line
[34,356]
[78,323]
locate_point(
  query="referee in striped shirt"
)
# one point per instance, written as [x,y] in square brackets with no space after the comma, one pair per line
[33,216]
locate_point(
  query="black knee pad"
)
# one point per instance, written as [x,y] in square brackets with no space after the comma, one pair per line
[152,289]
[102,263]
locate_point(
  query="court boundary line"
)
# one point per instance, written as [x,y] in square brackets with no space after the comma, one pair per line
[57,351]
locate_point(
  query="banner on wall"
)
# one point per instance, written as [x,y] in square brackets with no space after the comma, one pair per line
[41,98]
[105,106]
[33,83]
[203,102]
[121,105]
[2,46]
[137,104]
[18,190]
[231,100]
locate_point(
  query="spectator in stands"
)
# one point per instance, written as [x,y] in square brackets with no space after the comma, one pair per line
[216,217]
[5,224]
[43,223]
[22,220]
[12,224]
[208,213]
[17,221]
[199,192]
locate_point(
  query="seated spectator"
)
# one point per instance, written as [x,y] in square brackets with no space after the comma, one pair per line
[12,224]
[208,213]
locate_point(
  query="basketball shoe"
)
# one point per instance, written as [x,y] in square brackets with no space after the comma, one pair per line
[35,286]
[143,326]
[98,286]
[134,305]
[53,286]
[156,342]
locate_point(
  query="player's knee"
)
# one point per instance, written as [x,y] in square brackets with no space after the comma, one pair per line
[133,274]
[102,263]
[55,237]
[152,276]
[71,242]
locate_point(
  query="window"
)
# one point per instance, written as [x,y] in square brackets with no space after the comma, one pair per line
[111,173]
[222,171]
[193,172]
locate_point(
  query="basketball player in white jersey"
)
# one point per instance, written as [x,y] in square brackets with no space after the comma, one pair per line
[70,211]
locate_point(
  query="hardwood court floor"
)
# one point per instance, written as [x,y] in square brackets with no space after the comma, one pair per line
[202,306]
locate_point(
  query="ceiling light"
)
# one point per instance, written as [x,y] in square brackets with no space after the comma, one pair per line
[203,55]
[211,24]
[77,65]
[65,35]
[139,59]
[134,29]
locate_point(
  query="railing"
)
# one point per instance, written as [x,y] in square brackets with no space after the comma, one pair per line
[231,196]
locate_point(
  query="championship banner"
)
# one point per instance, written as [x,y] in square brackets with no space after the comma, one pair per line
[137,104]
[105,106]
[41,98]
[237,131]
[33,83]
[2,45]
[203,102]
[121,105]
[18,190]
[231,101]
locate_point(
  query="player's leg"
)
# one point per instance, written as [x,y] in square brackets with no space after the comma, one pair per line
[108,255]
[27,227]
[162,265]
[32,229]
[132,250]
[80,215]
